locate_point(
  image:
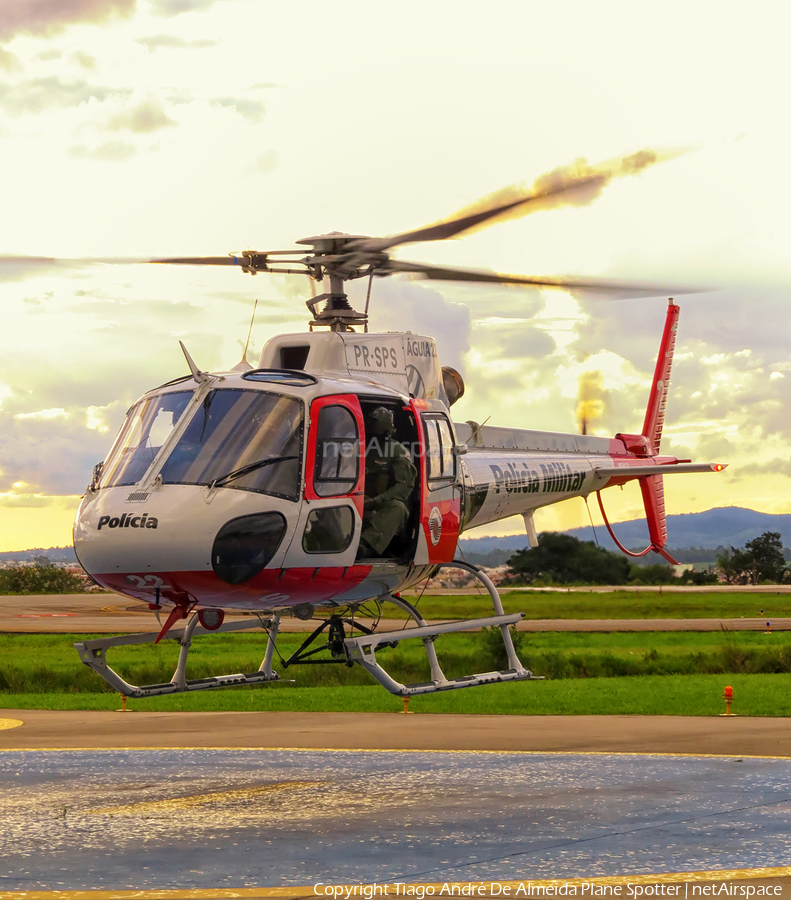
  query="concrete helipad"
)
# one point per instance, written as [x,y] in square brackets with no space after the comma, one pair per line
[233,819]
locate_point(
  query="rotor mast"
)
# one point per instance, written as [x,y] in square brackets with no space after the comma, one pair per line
[331,259]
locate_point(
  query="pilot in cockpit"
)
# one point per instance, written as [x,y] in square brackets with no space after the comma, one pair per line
[389,478]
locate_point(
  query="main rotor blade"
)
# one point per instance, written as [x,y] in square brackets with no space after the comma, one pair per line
[250,261]
[594,285]
[247,258]
[55,262]
[18,268]
[575,185]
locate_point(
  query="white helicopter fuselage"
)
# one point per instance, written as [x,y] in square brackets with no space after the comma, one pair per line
[245,489]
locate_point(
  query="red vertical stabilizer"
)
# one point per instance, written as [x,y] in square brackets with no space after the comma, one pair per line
[655,413]
[653,491]
[652,488]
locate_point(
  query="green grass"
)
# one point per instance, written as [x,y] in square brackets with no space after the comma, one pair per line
[612,605]
[48,664]
[689,695]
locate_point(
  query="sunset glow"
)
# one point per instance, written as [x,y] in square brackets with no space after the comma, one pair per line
[191,127]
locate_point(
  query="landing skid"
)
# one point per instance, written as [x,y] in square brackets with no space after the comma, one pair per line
[363,649]
[94,654]
[342,650]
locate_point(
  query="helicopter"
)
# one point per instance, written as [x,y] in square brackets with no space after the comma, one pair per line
[280,489]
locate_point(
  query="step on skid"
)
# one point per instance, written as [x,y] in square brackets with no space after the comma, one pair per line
[362,650]
[94,654]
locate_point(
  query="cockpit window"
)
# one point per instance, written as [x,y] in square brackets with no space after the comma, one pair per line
[241,439]
[147,426]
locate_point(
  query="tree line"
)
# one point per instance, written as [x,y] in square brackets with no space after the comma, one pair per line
[40,579]
[562,559]
[761,560]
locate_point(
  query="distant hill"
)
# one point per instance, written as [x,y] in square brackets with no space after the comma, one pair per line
[726,526]
[53,554]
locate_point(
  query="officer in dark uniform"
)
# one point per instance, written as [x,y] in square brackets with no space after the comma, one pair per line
[389,479]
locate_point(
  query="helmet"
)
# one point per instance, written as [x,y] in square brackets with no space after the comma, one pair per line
[382,421]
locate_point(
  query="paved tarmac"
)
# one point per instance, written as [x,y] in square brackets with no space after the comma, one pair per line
[235,802]
[90,729]
[113,614]
[201,819]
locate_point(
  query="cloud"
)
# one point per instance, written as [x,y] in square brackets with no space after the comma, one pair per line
[84,60]
[49,55]
[17,498]
[144,118]
[171,42]
[513,340]
[111,151]
[37,95]
[98,349]
[500,301]
[49,455]
[264,164]
[9,62]
[726,321]
[47,17]
[714,447]
[775,466]
[253,110]
[169,8]
[55,413]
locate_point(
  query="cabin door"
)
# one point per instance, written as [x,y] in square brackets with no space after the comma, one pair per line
[440,494]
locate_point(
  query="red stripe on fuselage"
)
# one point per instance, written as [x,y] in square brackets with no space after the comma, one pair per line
[269,589]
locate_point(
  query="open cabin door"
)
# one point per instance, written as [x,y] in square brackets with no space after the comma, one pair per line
[330,517]
[440,494]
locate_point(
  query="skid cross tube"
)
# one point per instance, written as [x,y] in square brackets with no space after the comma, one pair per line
[94,654]
[363,649]
[334,626]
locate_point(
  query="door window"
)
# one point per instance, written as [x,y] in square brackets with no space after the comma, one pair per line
[337,452]
[440,460]
[328,530]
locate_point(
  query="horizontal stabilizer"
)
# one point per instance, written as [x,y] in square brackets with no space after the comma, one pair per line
[668,469]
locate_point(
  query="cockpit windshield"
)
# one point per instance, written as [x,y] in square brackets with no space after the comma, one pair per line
[242,439]
[236,438]
[146,428]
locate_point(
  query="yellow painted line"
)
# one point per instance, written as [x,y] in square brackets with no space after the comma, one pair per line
[658,878]
[10,723]
[153,806]
[690,755]
[154,894]
[528,887]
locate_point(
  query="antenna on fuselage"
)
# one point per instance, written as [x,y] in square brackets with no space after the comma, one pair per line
[243,365]
[196,372]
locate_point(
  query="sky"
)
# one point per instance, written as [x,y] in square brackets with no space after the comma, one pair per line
[188,127]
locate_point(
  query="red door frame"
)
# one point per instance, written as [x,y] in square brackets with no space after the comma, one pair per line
[351,403]
[447,499]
